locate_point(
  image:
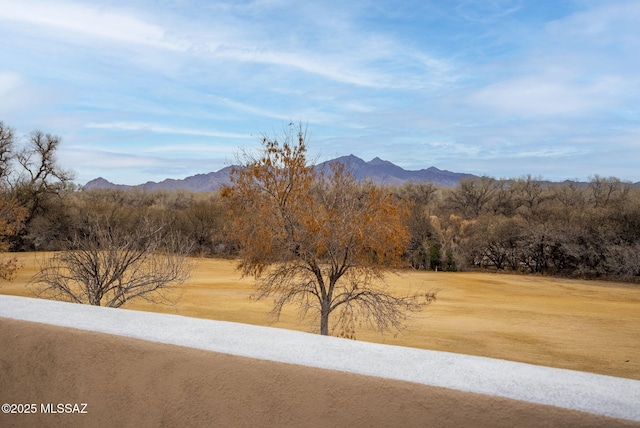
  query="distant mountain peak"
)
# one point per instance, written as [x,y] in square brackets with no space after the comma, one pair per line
[377,161]
[98,181]
[384,172]
[349,159]
[101,183]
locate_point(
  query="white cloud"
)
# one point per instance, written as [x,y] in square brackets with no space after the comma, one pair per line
[162,78]
[90,21]
[18,95]
[544,152]
[611,22]
[547,95]
[91,160]
[195,149]
[487,10]
[8,82]
[246,108]
[136,168]
[352,64]
[161,129]
[579,65]
[353,56]
[327,67]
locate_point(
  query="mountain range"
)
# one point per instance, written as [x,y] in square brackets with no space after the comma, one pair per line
[377,170]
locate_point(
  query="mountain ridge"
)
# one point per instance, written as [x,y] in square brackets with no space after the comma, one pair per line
[377,170]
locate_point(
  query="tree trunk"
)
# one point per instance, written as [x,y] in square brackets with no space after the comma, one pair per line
[324,320]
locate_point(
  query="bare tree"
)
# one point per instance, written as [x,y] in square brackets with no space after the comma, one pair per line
[605,191]
[529,192]
[31,176]
[420,197]
[320,242]
[472,196]
[41,176]
[108,266]
[11,217]
[7,141]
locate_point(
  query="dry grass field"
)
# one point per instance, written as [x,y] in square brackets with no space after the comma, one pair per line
[591,326]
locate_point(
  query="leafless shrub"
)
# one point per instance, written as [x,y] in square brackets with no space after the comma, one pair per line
[107,266]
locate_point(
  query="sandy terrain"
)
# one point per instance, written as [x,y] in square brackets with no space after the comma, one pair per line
[125,382]
[590,326]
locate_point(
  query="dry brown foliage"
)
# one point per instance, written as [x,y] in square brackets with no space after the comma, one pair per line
[318,240]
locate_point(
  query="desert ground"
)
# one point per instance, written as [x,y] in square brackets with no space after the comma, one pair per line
[115,380]
[591,326]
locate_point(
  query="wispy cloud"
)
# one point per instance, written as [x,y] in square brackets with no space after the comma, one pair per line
[354,56]
[160,129]
[100,160]
[550,95]
[247,108]
[93,21]
[580,65]
[485,11]
[18,95]
[190,149]
[8,82]
[136,168]
[612,22]
[485,85]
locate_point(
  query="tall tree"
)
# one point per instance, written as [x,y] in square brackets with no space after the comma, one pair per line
[31,176]
[472,196]
[320,241]
[12,215]
[7,142]
[41,176]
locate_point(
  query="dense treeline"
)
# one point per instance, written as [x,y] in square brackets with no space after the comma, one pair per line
[527,225]
[522,225]
[199,218]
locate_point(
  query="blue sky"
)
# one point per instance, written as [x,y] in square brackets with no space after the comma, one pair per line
[145,90]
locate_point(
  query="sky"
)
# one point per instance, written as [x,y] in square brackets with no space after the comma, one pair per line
[143,90]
